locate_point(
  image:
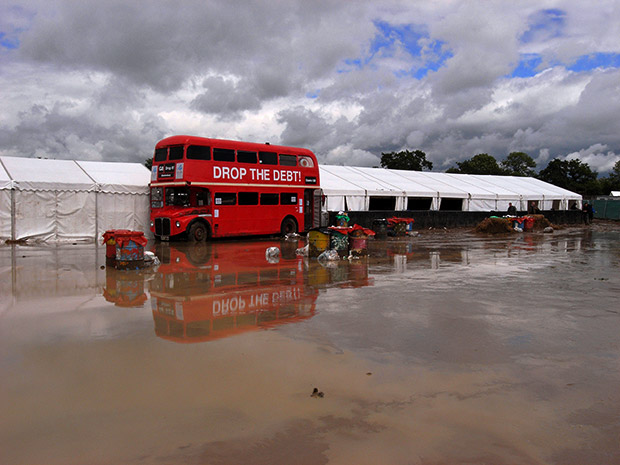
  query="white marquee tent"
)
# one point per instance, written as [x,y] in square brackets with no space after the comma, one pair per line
[352,188]
[63,200]
[66,200]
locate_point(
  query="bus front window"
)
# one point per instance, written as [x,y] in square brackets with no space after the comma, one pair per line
[157,197]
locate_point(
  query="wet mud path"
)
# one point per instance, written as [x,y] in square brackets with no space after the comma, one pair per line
[446,348]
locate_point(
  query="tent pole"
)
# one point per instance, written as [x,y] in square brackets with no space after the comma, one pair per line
[96,213]
[13,214]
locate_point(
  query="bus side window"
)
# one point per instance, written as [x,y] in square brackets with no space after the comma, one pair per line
[202,197]
[246,157]
[288,198]
[225,198]
[248,198]
[268,158]
[198,152]
[269,199]
[288,160]
[223,155]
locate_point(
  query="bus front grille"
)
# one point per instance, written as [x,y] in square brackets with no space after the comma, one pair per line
[162,226]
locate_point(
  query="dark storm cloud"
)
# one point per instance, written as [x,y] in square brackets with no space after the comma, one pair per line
[53,133]
[348,80]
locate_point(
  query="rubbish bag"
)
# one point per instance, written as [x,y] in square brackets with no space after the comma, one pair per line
[329,255]
[150,259]
[303,251]
[272,255]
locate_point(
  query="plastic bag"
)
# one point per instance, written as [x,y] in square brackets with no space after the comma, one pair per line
[328,255]
[272,255]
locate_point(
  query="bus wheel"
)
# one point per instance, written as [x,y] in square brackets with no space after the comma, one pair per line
[198,232]
[289,226]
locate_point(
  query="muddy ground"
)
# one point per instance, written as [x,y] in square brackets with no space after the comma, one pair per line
[446,348]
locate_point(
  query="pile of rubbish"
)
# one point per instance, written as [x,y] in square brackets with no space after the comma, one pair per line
[495,225]
[340,242]
[510,224]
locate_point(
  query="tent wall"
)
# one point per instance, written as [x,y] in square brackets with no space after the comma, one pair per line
[5,204]
[122,211]
[66,201]
[5,214]
[54,215]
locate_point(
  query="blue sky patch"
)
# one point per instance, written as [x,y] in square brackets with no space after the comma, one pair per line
[392,40]
[544,25]
[596,60]
[528,65]
[8,42]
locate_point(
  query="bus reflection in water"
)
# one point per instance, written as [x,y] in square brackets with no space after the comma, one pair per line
[212,290]
[208,291]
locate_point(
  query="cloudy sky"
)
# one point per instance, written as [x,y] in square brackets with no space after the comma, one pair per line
[349,79]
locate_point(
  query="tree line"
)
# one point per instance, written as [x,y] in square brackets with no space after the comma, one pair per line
[573,175]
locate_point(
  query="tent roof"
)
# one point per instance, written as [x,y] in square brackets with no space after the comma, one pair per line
[529,188]
[344,180]
[371,185]
[130,178]
[40,174]
[409,186]
[43,174]
[5,180]
[332,184]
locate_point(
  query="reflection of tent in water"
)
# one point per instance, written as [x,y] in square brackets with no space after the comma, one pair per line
[363,189]
[208,291]
[66,200]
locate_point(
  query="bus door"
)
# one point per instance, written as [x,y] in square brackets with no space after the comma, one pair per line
[312,209]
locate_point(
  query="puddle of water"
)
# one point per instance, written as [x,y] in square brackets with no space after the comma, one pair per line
[444,348]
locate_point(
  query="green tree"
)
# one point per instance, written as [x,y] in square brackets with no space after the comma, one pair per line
[611,182]
[406,160]
[518,164]
[573,175]
[148,163]
[483,163]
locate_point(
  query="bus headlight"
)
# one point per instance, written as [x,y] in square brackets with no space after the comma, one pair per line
[178,224]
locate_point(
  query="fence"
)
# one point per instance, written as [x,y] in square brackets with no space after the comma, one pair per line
[608,208]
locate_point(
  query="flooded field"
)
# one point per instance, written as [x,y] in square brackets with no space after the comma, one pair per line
[446,348]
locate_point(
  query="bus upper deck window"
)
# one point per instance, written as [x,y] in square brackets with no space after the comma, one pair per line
[306,162]
[161,154]
[176,153]
[198,152]
[246,157]
[223,155]
[288,160]
[268,158]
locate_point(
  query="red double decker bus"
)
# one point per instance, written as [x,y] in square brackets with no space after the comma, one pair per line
[206,188]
